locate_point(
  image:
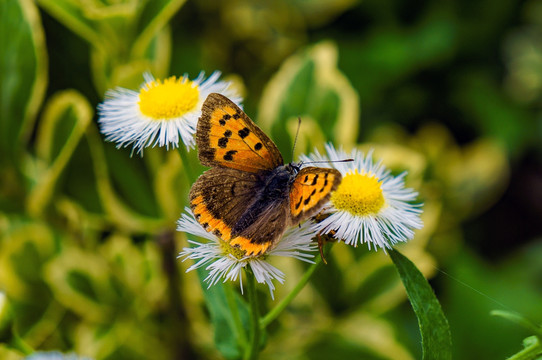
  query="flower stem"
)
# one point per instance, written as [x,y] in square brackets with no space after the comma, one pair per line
[238,324]
[274,313]
[253,348]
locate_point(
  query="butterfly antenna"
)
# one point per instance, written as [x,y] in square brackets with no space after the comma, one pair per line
[328,161]
[296,135]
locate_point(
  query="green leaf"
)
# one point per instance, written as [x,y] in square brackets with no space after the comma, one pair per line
[75,16]
[229,339]
[154,17]
[23,66]
[131,179]
[127,38]
[81,282]
[117,211]
[309,85]
[25,248]
[65,120]
[434,328]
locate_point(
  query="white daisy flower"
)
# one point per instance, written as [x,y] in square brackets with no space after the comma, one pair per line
[370,205]
[226,262]
[160,112]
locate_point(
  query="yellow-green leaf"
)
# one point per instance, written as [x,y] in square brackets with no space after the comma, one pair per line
[23,66]
[309,85]
[65,120]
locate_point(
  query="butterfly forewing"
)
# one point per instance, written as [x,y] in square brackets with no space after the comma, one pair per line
[227,137]
[311,190]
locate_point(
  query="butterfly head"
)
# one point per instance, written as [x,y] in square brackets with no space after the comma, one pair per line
[292,169]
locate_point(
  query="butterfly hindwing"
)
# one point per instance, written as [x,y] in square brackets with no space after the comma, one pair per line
[266,228]
[227,137]
[311,190]
[219,198]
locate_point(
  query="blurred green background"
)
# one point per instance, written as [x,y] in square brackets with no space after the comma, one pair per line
[449,91]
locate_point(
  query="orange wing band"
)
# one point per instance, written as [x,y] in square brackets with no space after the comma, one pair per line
[223,231]
[309,189]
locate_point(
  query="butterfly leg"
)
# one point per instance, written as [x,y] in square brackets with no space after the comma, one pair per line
[320,241]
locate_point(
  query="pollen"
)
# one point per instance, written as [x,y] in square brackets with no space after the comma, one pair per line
[359,194]
[168,99]
[234,251]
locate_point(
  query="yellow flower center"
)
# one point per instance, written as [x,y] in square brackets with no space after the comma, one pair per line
[227,249]
[168,99]
[360,195]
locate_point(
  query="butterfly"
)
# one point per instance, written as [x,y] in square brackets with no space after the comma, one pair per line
[248,197]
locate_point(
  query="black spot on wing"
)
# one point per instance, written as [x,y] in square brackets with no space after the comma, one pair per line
[314,180]
[307,200]
[225,118]
[223,142]
[243,133]
[299,203]
[229,155]
[258,146]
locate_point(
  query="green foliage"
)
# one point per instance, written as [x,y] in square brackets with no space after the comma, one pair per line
[117,59]
[311,87]
[434,328]
[23,63]
[532,345]
[481,295]
[229,315]
[450,93]
[64,122]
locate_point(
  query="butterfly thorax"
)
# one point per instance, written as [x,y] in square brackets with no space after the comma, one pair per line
[273,192]
[277,181]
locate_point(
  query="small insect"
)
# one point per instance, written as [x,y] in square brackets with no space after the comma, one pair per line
[248,197]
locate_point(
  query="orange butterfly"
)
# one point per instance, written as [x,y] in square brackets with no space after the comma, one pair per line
[248,197]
